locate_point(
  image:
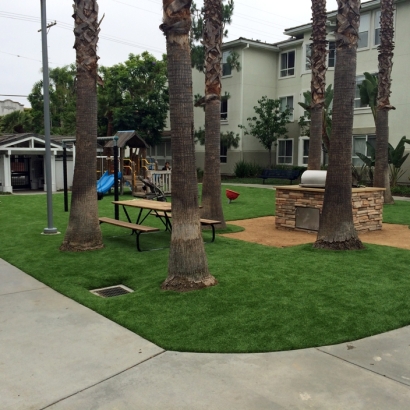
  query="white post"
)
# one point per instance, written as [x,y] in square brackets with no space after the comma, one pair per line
[7,174]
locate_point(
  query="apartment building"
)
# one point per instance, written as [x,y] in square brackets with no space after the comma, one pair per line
[281,71]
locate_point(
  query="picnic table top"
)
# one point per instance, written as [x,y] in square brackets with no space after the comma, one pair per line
[145,204]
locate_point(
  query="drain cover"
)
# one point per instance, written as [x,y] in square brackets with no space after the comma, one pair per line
[112,291]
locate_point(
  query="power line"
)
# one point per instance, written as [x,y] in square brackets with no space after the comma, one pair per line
[17,55]
[70,27]
[12,95]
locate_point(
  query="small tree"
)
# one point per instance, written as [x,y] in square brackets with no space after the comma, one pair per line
[269,123]
[304,120]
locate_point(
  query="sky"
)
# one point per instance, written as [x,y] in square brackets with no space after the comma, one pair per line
[128,26]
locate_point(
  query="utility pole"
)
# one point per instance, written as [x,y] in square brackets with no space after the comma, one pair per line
[50,229]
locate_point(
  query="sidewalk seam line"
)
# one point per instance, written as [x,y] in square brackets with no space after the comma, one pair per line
[102,381]
[23,291]
[362,367]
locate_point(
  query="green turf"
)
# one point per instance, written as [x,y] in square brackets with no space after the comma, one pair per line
[399,213]
[267,299]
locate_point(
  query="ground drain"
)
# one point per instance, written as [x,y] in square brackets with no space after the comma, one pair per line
[112,291]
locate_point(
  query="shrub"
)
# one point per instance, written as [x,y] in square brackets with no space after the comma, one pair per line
[245,169]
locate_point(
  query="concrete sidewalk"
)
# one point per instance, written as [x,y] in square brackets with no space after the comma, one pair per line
[57,354]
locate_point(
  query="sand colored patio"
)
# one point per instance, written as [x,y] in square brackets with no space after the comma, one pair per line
[263,231]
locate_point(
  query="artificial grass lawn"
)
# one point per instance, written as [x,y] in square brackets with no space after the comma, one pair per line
[267,299]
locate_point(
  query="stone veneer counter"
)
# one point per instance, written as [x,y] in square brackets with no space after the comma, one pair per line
[367,206]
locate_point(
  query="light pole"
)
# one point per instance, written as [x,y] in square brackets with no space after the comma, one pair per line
[116,176]
[50,229]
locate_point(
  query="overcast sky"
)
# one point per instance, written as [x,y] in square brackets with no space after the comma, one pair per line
[129,26]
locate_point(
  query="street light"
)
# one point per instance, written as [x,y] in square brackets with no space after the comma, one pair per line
[50,229]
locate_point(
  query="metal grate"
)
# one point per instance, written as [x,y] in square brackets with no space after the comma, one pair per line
[112,291]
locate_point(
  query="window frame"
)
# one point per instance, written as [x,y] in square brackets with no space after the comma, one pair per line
[292,116]
[308,54]
[224,112]
[301,156]
[356,161]
[285,140]
[223,154]
[281,70]
[368,31]
[225,56]
[376,28]
[334,54]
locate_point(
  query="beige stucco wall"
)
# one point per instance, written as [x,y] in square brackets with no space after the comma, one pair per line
[260,76]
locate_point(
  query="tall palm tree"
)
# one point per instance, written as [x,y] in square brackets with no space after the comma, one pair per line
[318,83]
[211,186]
[83,231]
[187,266]
[381,169]
[336,230]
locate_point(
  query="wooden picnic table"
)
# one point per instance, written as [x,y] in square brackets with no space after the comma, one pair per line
[160,209]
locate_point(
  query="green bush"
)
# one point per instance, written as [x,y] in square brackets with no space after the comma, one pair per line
[245,169]
[400,190]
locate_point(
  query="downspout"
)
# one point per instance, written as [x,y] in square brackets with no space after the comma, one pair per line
[242,94]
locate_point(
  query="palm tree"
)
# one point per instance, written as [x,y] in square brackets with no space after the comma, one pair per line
[336,230]
[83,231]
[211,186]
[318,83]
[187,266]
[381,169]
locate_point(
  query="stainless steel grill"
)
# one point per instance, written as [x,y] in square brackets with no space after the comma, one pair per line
[313,179]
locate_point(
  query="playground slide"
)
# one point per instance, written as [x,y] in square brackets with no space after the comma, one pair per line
[106,182]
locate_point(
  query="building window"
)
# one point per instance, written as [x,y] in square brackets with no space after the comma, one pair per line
[357,101]
[285,151]
[364,31]
[287,102]
[224,109]
[331,58]
[223,154]
[359,145]
[377,28]
[305,151]
[287,64]
[226,68]
[308,54]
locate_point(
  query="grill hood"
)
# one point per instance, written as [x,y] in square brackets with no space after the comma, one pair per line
[313,179]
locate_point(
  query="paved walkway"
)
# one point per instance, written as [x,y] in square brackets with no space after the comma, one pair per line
[57,354]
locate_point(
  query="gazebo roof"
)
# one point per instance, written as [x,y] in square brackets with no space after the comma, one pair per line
[128,138]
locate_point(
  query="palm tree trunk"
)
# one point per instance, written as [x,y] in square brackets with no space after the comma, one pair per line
[318,83]
[381,169]
[336,230]
[187,265]
[83,231]
[211,185]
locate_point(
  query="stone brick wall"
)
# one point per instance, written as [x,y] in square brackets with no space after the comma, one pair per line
[367,206]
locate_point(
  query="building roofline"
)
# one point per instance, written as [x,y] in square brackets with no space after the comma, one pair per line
[252,43]
[331,15]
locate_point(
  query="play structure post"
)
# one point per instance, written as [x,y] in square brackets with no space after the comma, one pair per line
[46,97]
[65,177]
[116,176]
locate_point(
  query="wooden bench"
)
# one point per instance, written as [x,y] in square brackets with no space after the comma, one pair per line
[290,174]
[138,229]
[204,222]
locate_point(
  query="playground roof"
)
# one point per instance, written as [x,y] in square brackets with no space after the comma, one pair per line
[128,138]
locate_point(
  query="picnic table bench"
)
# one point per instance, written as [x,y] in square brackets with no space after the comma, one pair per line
[290,174]
[204,222]
[138,229]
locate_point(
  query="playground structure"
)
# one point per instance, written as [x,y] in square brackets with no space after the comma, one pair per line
[134,166]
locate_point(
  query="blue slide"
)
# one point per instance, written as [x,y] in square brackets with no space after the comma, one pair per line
[106,182]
